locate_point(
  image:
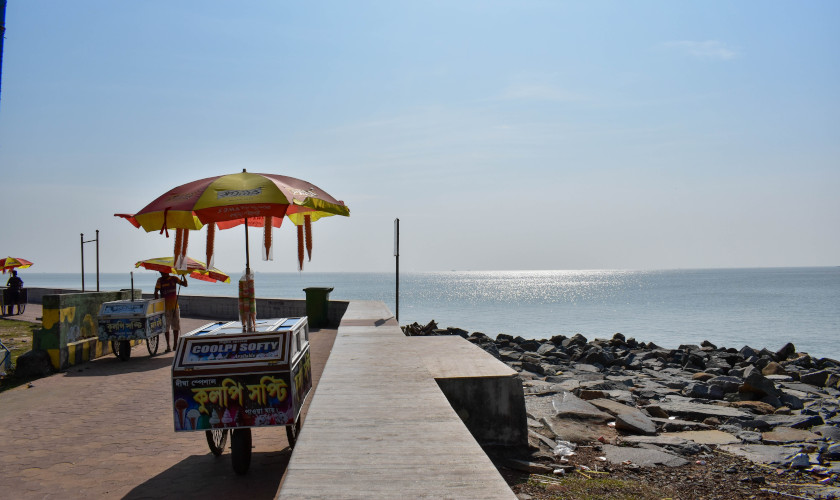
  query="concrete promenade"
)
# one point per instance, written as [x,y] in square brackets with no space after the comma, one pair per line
[380,427]
[104,430]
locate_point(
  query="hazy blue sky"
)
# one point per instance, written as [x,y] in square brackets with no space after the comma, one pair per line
[503,134]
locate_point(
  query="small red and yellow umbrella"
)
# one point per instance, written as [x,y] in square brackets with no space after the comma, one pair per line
[10,263]
[194,268]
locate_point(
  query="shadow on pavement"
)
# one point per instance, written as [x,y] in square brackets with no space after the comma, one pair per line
[208,476]
[140,361]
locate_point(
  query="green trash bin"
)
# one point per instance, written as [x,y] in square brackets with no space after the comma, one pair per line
[317,303]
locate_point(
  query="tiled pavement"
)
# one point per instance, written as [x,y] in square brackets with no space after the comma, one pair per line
[104,429]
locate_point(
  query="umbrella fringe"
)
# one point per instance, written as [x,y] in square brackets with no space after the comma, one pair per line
[307,224]
[181,239]
[300,247]
[211,239]
[268,247]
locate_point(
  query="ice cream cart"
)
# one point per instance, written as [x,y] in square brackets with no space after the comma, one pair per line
[122,321]
[11,298]
[225,381]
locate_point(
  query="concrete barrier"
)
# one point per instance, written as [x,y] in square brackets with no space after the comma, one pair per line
[222,308]
[69,326]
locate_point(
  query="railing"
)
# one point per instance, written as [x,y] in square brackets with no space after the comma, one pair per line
[5,359]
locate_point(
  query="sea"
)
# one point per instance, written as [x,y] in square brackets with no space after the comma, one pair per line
[756,307]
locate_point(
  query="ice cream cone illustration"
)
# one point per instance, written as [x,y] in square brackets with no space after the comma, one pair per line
[192,417]
[181,405]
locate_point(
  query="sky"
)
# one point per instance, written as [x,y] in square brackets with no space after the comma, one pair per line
[505,135]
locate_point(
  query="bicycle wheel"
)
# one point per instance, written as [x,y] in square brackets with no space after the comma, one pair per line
[152,344]
[216,440]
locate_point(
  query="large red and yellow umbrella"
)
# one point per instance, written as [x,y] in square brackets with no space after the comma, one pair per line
[10,263]
[258,200]
[195,269]
[226,201]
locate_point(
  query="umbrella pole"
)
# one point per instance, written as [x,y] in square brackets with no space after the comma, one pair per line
[247,256]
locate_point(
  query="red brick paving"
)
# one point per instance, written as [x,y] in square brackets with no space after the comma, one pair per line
[104,429]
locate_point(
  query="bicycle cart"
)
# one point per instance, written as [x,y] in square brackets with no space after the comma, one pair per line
[226,381]
[13,297]
[121,321]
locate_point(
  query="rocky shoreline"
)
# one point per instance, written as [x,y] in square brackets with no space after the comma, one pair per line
[634,405]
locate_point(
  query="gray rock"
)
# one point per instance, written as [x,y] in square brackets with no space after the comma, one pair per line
[646,457]
[35,363]
[661,440]
[795,421]
[815,378]
[714,437]
[627,418]
[785,352]
[542,439]
[702,391]
[684,407]
[584,367]
[762,453]
[749,436]
[804,388]
[832,452]
[830,432]
[526,466]
[800,461]
[726,383]
[791,401]
[757,383]
[783,435]
[568,405]
[677,425]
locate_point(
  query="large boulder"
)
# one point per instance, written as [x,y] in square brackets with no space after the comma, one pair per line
[817,378]
[34,364]
[758,384]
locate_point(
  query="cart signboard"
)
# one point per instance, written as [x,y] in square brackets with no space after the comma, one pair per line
[131,319]
[246,400]
[223,378]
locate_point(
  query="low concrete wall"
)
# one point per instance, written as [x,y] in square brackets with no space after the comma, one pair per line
[35,295]
[486,393]
[492,408]
[222,308]
[227,308]
[69,326]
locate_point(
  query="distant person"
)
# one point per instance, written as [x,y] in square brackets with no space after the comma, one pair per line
[167,287]
[15,285]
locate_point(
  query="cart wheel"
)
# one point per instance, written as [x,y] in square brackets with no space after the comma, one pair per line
[152,344]
[292,433]
[121,348]
[21,308]
[240,450]
[216,440]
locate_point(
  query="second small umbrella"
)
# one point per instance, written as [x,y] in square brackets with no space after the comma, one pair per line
[195,269]
[10,263]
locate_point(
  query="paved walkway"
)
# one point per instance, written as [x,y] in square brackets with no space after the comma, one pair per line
[380,427]
[104,429]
